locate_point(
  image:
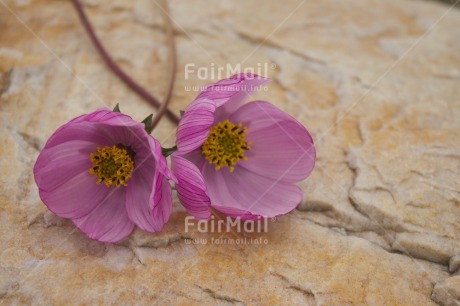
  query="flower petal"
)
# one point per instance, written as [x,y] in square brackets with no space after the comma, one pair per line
[109,117]
[128,132]
[98,127]
[161,163]
[231,93]
[201,114]
[76,197]
[215,101]
[191,187]
[248,194]
[163,207]
[58,164]
[195,124]
[109,221]
[148,198]
[281,149]
[82,131]
[65,185]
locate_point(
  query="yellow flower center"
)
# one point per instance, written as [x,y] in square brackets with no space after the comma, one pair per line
[226,144]
[112,165]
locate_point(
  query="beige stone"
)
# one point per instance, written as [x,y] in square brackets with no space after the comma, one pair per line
[454,263]
[375,82]
[448,292]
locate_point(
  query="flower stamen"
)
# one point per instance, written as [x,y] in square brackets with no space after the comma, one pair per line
[112,165]
[226,144]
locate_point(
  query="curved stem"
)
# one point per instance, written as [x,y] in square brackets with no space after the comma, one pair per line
[115,68]
[172,63]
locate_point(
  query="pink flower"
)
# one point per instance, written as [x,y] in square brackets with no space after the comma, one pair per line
[241,159]
[103,171]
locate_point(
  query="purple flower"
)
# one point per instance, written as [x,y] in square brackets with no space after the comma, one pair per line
[103,171]
[241,159]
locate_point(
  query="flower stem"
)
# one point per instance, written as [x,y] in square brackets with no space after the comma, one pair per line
[172,62]
[120,73]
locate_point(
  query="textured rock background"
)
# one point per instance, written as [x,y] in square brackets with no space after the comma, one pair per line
[377,84]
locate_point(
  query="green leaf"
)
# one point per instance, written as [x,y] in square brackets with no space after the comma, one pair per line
[168,151]
[117,108]
[148,123]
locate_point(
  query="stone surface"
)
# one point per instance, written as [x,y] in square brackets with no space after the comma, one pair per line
[454,263]
[448,292]
[375,82]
